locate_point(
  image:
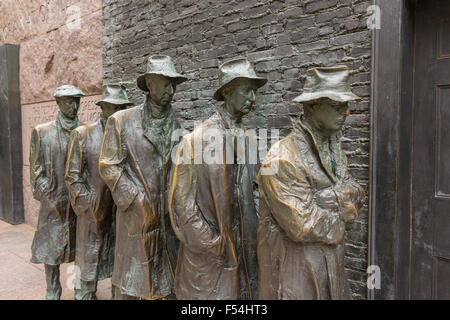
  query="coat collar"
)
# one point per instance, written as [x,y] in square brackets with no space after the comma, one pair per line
[336,153]
[102,119]
[159,130]
[66,123]
[228,121]
[237,131]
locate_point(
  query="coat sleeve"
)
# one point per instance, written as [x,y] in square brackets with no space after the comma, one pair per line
[80,194]
[187,221]
[111,166]
[350,197]
[38,180]
[289,194]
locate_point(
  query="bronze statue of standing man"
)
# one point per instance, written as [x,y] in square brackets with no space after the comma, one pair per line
[91,198]
[54,240]
[134,162]
[211,201]
[308,196]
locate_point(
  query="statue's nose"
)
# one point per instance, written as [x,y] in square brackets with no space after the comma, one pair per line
[171,91]
[346,113]
[252,96]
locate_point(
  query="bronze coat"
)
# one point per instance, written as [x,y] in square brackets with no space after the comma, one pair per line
[134,162]
[92,202]
[211,205]
[54,239]
[300,229]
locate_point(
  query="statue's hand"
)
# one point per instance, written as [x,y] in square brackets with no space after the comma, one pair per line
[149,217]
[345,196]
[349,213]
[43,188]
[93,202]
[227,250]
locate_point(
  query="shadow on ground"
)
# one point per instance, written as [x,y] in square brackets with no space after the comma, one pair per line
[22,280]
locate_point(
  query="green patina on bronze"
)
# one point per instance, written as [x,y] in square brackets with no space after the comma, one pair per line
[91,199]
[135,162]
[308,197]
[54,240]
[211,205]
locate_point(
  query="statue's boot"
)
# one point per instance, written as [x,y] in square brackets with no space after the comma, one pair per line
[87,290]
[54,289]
[118,295]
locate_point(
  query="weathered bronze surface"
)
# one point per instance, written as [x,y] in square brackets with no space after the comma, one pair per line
[134,162]
[91,199]
[54,240]
[308,198]
[211,204]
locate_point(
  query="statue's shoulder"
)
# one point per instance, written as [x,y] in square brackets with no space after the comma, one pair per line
[207,127]
[190,137]
[123,115]
[44,128]
[284,149]
[84,130]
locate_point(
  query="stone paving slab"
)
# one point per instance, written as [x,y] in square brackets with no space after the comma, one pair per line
[22,280]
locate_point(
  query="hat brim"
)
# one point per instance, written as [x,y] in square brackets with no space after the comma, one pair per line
[335,96]
[114,101]
[75,95]
[142,84]
[259,82]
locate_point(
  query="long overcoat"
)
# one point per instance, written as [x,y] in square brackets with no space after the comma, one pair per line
[301,227]
[213,214]
[54,239]
[135,162]
[92,202]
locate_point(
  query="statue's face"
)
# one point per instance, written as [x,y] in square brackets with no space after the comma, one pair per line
[108,109]
[240,96]
[161,89]
[329,115]
[68,106]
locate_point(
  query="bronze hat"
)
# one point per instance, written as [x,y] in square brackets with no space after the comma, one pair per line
[114,94]
[161,65]
[235,69]
[68,91]
[327,82]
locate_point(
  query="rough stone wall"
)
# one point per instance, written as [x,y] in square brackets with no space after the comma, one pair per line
[60,43]
[281,38]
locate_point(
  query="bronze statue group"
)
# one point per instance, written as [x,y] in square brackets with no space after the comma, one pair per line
[124,200]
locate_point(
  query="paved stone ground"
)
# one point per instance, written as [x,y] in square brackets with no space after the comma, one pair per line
[22,280]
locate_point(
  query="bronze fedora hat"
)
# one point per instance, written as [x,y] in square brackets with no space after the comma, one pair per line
[162,65]
[114,94]
[68,91]
[327,82]
[235,69]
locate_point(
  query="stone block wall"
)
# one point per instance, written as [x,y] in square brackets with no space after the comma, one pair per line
[282,39]
[60,43]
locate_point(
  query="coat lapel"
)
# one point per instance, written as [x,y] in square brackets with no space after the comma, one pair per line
[162,143]
[335,154]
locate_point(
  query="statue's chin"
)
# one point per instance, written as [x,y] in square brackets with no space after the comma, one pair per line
[246,110]
[71,117]
[165,103]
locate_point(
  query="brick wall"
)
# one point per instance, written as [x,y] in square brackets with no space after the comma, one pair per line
[281,38]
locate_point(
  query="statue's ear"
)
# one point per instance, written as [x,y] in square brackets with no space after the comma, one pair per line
[308,107]
[174,86]
[226,92]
